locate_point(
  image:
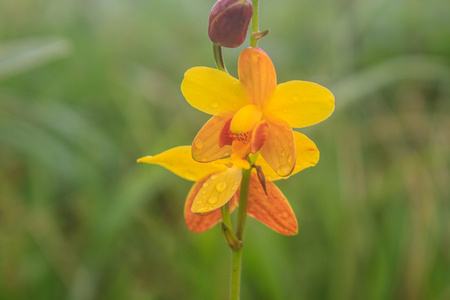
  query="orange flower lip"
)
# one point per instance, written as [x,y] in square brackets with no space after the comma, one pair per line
[249,100]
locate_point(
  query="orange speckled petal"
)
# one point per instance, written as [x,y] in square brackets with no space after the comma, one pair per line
[198,223]
[307,156]
[279,149]
[217,190]
[257,73]
[205,147]
[272,209]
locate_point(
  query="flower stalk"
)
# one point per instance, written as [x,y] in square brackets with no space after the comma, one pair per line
[218,58]
[255,24]
[236,262]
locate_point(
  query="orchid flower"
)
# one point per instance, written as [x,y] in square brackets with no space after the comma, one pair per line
[218,182]
[253,114]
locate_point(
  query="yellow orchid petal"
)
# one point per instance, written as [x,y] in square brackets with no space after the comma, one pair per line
[245,119]
[257,73]
[300,103]
[205,147]
[217,190]
[271,209]
[279,149]
[179,160]
[307,156]
[197,223]
[213,91]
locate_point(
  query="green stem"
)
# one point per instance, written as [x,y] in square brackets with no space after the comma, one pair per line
[226,215]
[255,23]
[241,220]
[218,58]
[243,197]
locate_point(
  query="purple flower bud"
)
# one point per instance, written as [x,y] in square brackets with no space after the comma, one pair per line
[228,22]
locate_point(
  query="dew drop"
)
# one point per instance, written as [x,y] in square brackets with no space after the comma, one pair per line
[283,170]
[213,200]
[284,214]
[214,177]
[235,186]
[206,184]
[214,104]
[198,202]
[283,153]
[203,192]
[290,158]
[199,143]
[220,187]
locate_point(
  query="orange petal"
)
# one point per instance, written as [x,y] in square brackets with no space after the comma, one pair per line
[307,156]
[259,135]
[205,147]
[272,209]
[257,73]
[279,149]
[217,190]
[198,223]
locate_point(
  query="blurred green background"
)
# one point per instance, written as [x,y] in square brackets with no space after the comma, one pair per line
[87,87]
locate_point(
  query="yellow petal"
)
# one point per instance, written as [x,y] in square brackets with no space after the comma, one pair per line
[307,156]
[257,73]
[279,149]
[179,160]
[205,147]
[300,103]
[272,209]
[197,223]
[213,91]
[217,190]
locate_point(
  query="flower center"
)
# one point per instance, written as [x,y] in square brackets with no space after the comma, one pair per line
[245,119]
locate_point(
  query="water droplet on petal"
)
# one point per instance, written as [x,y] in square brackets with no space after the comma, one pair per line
[203,192]
[206,184]
[214,177]
[284,170]
[199,143]
[283,153]
[290,158]
[214,104]
[213,200]
[199,202]
[221,186]
[284,214]
[235,186]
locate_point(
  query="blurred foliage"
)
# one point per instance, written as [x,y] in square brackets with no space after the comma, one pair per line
[87,87]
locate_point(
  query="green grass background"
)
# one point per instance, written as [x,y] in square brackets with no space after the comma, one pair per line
[87,87]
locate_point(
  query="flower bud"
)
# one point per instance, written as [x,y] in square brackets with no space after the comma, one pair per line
[228,22]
